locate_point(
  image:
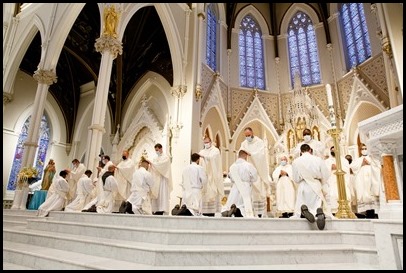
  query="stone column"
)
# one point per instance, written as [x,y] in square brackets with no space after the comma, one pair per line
[109,47]
[44,78]
[198,91]
[391,206]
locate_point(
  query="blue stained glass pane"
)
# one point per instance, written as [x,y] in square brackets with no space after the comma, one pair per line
[253,52]
[211,38]
[241,38]
[356,20]
[243,81]
[41,152]
[251,72]
[251,82]
[260,84]
[356,33]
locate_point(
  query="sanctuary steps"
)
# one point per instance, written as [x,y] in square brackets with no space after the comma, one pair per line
[67,240]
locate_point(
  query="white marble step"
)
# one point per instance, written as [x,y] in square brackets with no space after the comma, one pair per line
[11,266]
[204,237]
[38,257]
[26,212]
[209,223]
[59,259]
[8,223]
[156,254]
[18,217]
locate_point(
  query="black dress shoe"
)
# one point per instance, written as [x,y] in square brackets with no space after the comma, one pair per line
[175,210]
[184,211]
[307,214]
[123,207]
[238,213]
[321,219]
[129,208]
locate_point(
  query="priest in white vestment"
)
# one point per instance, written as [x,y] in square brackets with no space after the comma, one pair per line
[124,174]
[161,171]
[255,147]
[285,187]
[311,174]
[318,147]
[58,199]
[194,179]
[84,191]
[332,180]
[106,200]
[210,160]
[367,171]
[99,184]
[73,177]
[243,175]
[141,186]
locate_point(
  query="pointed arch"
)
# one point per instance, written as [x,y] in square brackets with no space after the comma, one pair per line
[171,31]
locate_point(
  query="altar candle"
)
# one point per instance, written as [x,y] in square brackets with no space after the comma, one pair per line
[329,95]
[330,106]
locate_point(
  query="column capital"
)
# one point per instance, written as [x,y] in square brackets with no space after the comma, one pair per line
[7,97]
[373,8]
[201,15]
[109,43]
[329,46]
[97,127]
[386,147]
[32,144]
[179,91]
[47,77]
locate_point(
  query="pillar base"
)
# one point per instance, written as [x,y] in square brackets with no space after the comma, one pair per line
[391,210]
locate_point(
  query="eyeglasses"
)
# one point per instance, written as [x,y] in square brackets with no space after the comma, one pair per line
[364,149]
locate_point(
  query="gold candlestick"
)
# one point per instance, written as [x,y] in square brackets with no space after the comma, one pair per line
[344,210]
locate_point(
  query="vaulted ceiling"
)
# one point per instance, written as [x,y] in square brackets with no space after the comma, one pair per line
[145,48]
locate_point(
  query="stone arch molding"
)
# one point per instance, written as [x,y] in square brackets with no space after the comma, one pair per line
[255,112]
[143,118]
[258,17]
[292,11]
[171,30]
[149,80]
[215,100]
[359,94]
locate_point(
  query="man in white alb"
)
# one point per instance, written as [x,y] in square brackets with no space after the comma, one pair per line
[210,160]
[285,188]
[83,193]
[194,179]
[124,174]
[58,199]
[161,171]
[243,175]
[317,146]
[73,177]
[310,172]
[255,147]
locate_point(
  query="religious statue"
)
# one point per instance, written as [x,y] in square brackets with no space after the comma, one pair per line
[291,140]
[110,21]
[300,126]
[316,133]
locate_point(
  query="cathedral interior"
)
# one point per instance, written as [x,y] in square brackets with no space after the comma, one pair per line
[174,73]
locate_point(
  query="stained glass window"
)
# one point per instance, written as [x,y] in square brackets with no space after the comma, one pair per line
[303,52]
[355,34]
[251,53]
[41,151]
[211,37]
